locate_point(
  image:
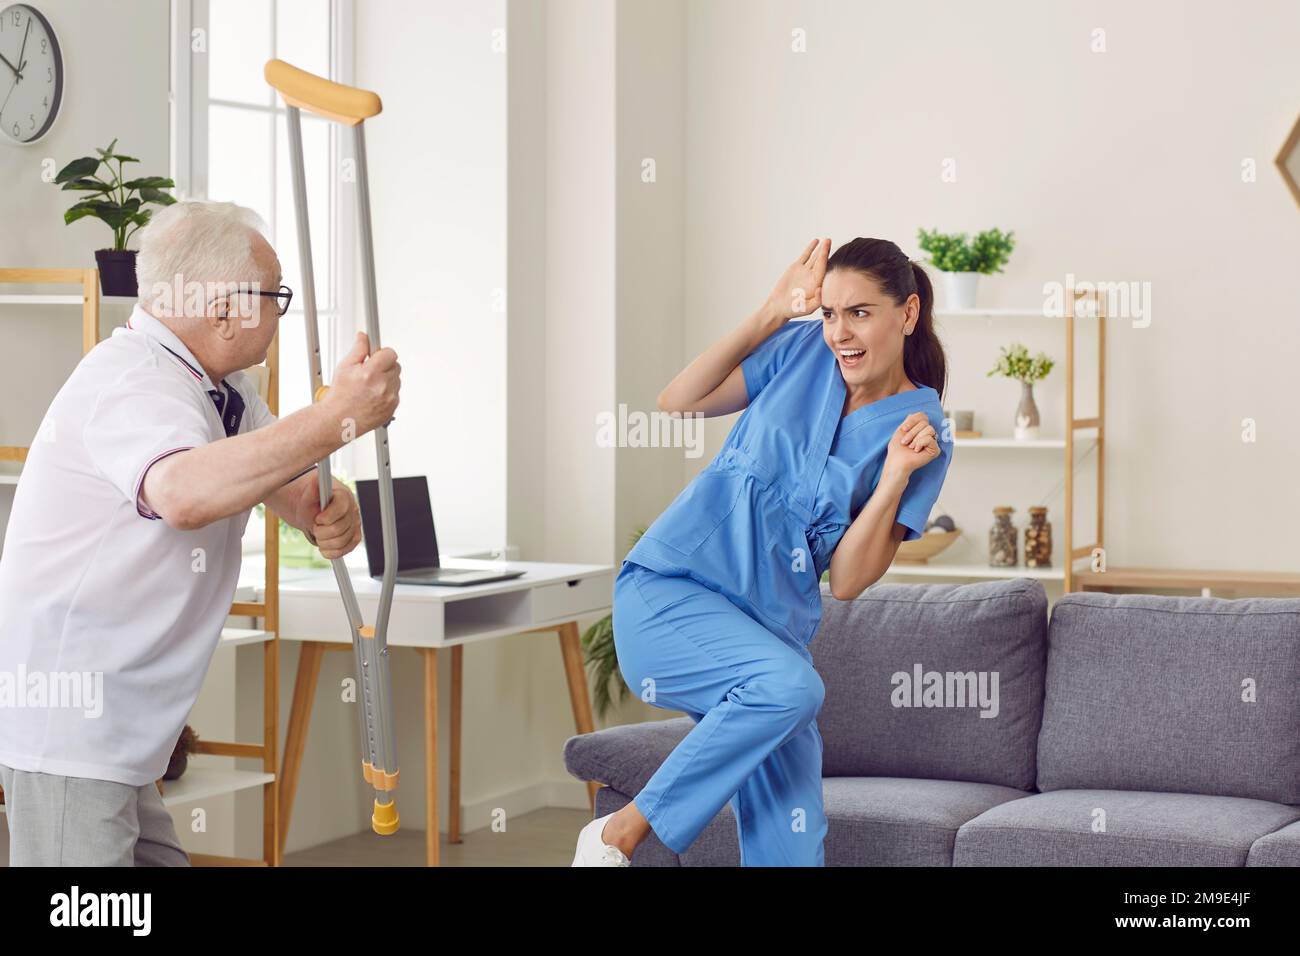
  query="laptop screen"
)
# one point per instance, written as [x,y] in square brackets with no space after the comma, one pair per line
[417,547]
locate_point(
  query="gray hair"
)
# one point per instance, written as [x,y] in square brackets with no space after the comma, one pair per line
[191,242]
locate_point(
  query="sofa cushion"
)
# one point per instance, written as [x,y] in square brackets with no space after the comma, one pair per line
[901,821]
[1140,829]
[878,720]
[1279,848]
[1190,695]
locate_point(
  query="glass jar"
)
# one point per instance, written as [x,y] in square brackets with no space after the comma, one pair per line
[1038,539]
[1002,539]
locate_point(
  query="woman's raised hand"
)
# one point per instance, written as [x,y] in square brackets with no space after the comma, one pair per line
[799,290]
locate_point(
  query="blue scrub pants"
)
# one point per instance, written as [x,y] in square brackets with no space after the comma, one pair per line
[754,697]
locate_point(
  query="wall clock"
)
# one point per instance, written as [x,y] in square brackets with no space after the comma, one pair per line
[31,74]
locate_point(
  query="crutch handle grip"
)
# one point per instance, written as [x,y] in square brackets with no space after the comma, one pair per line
[348,105]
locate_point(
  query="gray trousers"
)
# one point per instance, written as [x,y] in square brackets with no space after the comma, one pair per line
[76,821]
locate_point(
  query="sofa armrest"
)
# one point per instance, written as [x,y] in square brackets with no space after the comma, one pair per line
[626,756]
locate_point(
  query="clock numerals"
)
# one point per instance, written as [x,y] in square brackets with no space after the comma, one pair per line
[29,46]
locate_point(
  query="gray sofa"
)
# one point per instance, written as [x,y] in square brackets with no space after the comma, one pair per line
[1131,730]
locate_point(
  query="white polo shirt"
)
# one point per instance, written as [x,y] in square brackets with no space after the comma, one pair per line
[108,616]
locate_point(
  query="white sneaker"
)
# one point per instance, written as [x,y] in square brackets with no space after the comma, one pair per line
[593,851]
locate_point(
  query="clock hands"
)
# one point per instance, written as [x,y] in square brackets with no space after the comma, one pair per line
[21,62]
[18,70]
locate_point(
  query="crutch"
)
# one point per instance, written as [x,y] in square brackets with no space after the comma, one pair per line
[351,107]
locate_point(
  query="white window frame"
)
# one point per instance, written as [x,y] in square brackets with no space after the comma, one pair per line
[189,102]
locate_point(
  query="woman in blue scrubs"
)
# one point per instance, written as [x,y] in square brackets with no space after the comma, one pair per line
[838,456]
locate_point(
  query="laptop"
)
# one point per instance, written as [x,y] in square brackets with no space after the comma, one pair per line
[417,545]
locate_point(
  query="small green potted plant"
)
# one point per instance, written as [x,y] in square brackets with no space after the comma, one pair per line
[962,261]
[1016,363]
[602,659]
[120,203]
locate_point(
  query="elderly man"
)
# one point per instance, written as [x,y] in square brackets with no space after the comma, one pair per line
[123,548]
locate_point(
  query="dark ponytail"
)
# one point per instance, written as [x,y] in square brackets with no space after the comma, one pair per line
[899,277]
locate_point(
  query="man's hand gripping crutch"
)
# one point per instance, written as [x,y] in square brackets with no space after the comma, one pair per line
[351,107]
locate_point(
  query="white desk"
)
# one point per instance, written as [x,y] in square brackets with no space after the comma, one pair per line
[548,597]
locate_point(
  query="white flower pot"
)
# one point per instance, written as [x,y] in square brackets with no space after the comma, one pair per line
[959,289]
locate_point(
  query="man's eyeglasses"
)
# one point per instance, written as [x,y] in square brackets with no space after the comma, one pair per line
[244,306]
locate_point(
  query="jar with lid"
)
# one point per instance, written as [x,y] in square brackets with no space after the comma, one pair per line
[1038,539]
[1002,539]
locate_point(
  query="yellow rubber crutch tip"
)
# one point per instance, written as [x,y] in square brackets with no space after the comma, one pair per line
[385,820]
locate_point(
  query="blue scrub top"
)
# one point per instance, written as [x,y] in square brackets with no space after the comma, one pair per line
[759,524]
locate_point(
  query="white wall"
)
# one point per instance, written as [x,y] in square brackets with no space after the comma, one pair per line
[1123,165]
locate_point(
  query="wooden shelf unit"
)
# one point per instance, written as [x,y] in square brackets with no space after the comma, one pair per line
[1079,433]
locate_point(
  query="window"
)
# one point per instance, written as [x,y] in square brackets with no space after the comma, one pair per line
[230,142]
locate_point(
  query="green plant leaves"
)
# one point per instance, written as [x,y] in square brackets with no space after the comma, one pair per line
[157,196]
[150,182]
[77,169]
[88,185]
[987,253]
[120,204]
[115,215]
[1014,362]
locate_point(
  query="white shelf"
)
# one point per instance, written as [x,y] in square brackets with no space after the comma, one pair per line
[938,570]
[8,479]
[200,782]
[1005,314]
[237,636]
[37,299]
[1082,436]
[33,299]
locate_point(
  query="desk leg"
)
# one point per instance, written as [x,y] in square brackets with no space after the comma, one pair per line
[430,755]
[304,693]
[579,698]
[453,798]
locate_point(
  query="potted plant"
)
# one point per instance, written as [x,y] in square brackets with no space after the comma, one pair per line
[602,659]
[1016,363]
[180,758]
[963,260]
[119,203]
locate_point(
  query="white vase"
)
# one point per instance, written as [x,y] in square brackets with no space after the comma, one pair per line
[1027,419]
[959,289]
